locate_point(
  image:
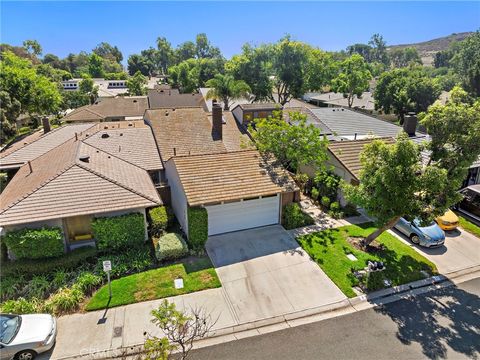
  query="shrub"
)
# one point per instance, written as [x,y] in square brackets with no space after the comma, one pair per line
[294,217]
[161,218]
[132,260]
[12,287]
[28,268]
[171,247]
[325,201]
[35,243]
[315,194]
[60,279]
[64,300]
[119,232]
[335,206]
[38,287]
[87,282]
[197,227]
[327,184]
[336,210]
[20,306]
[24,130]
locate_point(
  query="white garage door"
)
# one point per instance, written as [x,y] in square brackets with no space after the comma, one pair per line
[243,215]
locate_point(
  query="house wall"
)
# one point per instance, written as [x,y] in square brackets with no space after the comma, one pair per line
[178,198]
[238,114]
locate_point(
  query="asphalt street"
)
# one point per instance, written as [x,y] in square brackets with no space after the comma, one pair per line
[442,324]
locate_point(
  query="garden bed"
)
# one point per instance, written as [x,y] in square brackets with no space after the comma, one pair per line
[467,225]
[329,248]
[197,274]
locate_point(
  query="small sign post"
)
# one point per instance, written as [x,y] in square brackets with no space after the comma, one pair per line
[107,267]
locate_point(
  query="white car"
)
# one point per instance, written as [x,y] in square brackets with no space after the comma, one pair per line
[22,337]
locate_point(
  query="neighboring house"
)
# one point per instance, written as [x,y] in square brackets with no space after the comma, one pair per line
[106,88]
[110,109]
[239,190]
[71,184]
[244,113]
[331,99]
[164,97]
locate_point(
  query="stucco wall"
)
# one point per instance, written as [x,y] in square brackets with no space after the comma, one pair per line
[178,198]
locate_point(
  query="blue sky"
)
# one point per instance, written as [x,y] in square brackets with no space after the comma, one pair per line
[64,27]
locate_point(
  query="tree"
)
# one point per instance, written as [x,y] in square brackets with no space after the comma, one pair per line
[405,57]
[95,66]
[467,63]
[191,74]
[88,88]
[137,85]
[293,145]
[139,63]
[165,54]
[404,90]
[353,78]
[226,88]
[185,51]
[454,128]
[109,52]
[180,330]
[394,184]
[379,50]
[204,49]
[33,47]
[361,49]
[321,69]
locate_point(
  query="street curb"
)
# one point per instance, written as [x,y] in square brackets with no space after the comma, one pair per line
[345,306]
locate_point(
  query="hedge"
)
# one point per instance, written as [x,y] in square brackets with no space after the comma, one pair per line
[170,246]
[197,227]
[71,260]
[161,217]
[118,232]
[35,243]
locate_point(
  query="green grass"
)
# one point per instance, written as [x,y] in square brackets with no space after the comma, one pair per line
[330,247]
[197,274]
[467,225]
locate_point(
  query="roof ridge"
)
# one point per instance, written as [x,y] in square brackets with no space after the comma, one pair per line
[318,118]
[43,184]
[214,153]
[358,140]
[103,176]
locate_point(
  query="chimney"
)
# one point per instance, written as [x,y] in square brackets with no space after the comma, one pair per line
[217,120]
[410,123]
[46,125]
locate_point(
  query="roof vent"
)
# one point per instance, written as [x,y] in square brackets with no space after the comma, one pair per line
[130,124]
[105,136]
[121,134]
[84,158]
[105,127]
[135,100]
[263,172]
[343,109]
[166,113]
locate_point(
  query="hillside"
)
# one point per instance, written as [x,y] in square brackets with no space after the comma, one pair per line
[427,49]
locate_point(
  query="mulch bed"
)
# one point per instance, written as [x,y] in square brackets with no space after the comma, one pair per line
[357,243]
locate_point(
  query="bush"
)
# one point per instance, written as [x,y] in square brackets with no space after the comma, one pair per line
[20,306]
[87,282]
[197,227]
[327,184]
[294,217]
[119,232]
[161,218]
[38,287]
[28,268]
[64,300]
[315,194]
[12,287]
[35,243]
[130,261]
[171,247]
[24,130]
[325,201]
[335,206]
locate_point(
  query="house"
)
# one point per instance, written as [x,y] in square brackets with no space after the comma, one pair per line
[72,183]
[239,189]
[331,99]
[244,113]
[110,109]
[164,97]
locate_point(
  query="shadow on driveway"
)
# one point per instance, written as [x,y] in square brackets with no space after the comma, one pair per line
[449,316]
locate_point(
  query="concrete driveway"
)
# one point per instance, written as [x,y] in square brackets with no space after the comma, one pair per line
[265,273]
[460,251]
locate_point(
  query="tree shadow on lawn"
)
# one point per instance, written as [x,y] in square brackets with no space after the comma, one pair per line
[448,316]
[194,263]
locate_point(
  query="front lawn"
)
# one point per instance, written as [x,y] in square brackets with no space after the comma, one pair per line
[198,274]
[330,247]
[469,226]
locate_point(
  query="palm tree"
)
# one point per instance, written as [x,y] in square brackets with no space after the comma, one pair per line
[226,88]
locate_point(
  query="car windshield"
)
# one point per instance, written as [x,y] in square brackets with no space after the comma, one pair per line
[419,223]
[9,325]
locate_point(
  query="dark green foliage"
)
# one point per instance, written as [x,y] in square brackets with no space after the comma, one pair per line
[129,261]
[327,184]
[115,233]
[171,246]
[294,217]
[69,261]
[161,218]
[35,243]
[197,227]
[87,282]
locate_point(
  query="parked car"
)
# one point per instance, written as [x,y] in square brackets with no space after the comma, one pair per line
[22,337]
[428,236]
[471,201]
[448,221]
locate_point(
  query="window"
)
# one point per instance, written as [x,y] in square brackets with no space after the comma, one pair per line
[79,228]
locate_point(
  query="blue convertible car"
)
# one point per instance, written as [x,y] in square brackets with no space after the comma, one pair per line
[428,236]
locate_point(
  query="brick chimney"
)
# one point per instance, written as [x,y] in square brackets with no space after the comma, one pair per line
[217,120]
[46,125]
[410,123]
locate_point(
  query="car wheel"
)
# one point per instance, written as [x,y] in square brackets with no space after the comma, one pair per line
[415,239]
[25,355]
